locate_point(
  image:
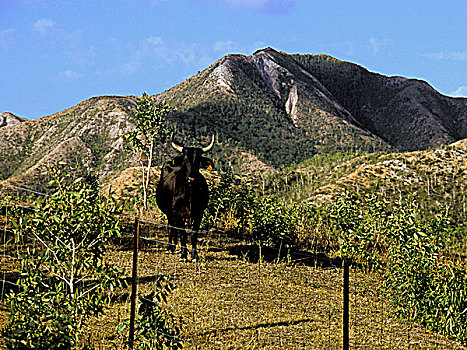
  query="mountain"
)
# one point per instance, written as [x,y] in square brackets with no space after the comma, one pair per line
[268,110]
[7,118]
[89,137]
[407,113]
[269,105]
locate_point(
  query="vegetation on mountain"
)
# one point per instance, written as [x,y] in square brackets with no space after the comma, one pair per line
[7,118]
[281,109]
[97,125]
[407,113]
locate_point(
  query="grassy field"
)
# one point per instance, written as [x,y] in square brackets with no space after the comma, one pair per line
[230,299]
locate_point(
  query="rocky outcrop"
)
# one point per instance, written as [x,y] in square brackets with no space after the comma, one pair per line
[7,118]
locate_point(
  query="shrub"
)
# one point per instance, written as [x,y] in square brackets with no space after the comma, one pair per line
[360,222]
[274,223]
[64,279]
[407,247]
[156,328]
[231,204]
[425,286]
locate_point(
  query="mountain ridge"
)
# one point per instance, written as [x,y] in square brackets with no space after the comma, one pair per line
[271,107]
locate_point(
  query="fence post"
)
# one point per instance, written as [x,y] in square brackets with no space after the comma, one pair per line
[345,313]
[134,277]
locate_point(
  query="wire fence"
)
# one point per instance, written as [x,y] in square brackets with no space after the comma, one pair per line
[237,295]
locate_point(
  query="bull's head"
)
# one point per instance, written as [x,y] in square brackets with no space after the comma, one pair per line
[193,158]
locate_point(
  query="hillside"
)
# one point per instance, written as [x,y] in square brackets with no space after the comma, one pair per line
[269,105]
[437,177]
[269,110]
[407,113]
[88,137]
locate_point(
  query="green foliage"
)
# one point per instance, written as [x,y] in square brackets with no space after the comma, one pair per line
[230,204]
[151,128]
[426,287]
[235,207]
[407,246]
[359,221]
[41,316]
[64,277]
[156,328]
[274,223]
[151,124]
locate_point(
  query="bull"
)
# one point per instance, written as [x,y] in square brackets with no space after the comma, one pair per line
[182,194]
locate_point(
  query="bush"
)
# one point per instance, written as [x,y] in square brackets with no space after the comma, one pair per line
[64,279]
[425,286]
[156,328]
[274,224]
[234,207]
[231,205]
[360,222]
[407,247]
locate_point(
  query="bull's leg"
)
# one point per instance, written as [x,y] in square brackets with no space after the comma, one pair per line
[173,236]
[183,241]
[194,239]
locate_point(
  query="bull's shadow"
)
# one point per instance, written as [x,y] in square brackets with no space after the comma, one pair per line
[251,253]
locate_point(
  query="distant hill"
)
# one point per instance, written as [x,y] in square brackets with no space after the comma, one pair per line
[89,137]
[437,177]
[268,110]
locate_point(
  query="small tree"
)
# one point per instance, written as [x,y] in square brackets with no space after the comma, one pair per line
[64,278]
[151,128]
[157,327]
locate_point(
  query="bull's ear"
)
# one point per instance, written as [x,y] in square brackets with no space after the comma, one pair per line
[207,163]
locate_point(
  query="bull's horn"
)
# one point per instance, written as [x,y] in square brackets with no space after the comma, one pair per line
[177,147]
[208,148]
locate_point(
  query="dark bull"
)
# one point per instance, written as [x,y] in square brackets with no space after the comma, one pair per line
[183,194]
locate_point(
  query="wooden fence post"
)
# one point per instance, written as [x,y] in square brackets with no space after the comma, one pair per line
[134,279]
[345,313]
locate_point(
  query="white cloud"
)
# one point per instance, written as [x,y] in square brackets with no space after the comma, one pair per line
[152,50]
[152,41]
[44,25]
[225,47]
[80,54]
[6,37]
[446,55]
[152,46]
[460,92]
[277,7]
[74,45]
[154,54]
[350,48]
[377,44]
[69,75]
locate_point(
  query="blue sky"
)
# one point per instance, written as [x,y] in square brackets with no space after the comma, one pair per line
[57,53]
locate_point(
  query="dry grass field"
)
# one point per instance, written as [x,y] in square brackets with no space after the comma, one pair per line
[230,299]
